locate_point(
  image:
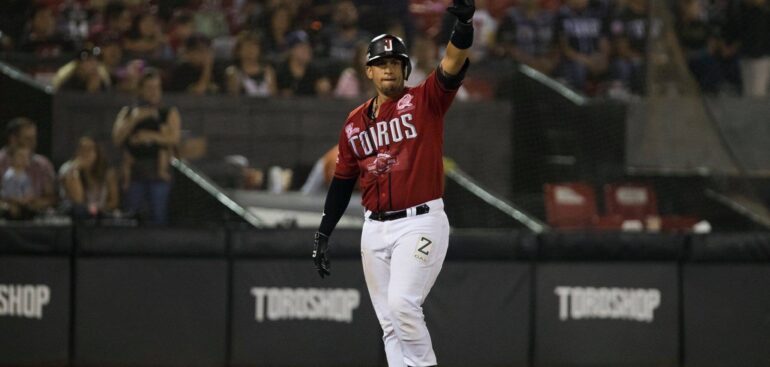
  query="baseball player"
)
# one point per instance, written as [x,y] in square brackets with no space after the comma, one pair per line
[393,144]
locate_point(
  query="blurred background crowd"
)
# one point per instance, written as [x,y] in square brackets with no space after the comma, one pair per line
[317,48]
[270,48]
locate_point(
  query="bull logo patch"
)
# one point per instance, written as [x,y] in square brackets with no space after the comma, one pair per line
[405,102]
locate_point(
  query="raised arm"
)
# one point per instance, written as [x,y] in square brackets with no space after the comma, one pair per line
[462,37]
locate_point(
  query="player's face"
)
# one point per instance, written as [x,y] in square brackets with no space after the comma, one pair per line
[387,75]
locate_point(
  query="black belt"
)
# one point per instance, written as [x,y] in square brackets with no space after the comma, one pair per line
[398,214]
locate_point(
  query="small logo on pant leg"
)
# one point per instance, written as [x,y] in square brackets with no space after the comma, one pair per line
[423,248]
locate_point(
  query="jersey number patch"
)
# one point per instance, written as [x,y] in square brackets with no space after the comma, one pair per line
[422,251]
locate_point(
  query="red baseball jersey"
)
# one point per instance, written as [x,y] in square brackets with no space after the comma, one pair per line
[397,156]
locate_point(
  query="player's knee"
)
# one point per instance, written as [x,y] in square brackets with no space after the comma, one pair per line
[403,310]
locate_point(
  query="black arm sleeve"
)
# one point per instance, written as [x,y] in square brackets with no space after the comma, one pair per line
[337,200]
[449,81]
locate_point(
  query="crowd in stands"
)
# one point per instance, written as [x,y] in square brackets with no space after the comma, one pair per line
[284,48]
[301,47]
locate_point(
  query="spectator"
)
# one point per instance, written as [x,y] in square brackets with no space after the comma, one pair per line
[317,182]
[353,82]
[181,29]
[338,42]
[250,75]
[85,74]
[116,20]
[700,43]
[297,76]
[748,29]
[41,37]
[145,38]
[210,19]
[19,156]
[630,30]
[123,76]
[11,24]
[248,17]
[278,28]
[582,33]
[194,74]
[89,186]
[74,16]
[526,36]
[147,133]
[16,191]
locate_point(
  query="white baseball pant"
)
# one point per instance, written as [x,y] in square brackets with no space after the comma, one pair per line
[402,259]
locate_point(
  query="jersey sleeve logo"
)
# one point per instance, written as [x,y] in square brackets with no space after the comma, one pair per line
[405,102]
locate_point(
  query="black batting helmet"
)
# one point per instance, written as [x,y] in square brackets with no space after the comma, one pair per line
[388,45]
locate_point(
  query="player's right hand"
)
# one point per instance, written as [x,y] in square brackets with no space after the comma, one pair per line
[463,10]
[320,247]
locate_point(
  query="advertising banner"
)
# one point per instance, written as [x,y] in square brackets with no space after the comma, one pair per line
[602,314]
[726,314]
[151,312]
[478,314]
[284,314]
[34,310]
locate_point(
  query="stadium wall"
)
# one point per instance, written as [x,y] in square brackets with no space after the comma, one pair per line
[110,296]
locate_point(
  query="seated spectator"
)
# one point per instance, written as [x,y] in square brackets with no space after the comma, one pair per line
[147,133]
[194,74]
[16,187]
[748,29]
[42,38]
[89,188]
[338,41]
[526,36]
[321,175]
[145,39]
[250,16]
[582,33]
[280,25]
[84,74]
[630,29]
[116,20]
[700,44]
[297,76]
[353,82]
[250,75]
[180,29]
[11,24]
[30,176]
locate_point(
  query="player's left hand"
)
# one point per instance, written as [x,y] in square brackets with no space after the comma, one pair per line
[463,10]
[320,247]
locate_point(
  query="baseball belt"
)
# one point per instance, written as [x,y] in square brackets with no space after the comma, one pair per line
[398,214]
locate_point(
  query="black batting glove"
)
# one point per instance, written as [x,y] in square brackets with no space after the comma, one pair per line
[463,10]
[320,246]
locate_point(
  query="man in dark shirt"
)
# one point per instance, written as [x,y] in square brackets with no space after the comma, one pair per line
[630,29]
[297,76]
[195,73]
[526,35]
[748,29]
[582,32]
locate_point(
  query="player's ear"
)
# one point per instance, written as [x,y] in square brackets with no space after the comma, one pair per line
[369,72]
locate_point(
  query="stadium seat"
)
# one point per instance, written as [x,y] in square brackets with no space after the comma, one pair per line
[630,200]
[638,201]
[572,205]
